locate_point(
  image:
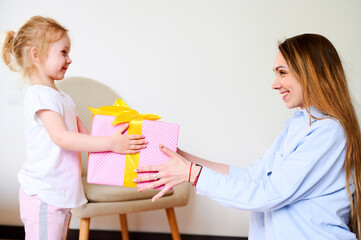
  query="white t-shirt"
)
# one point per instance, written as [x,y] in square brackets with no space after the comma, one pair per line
[51,172]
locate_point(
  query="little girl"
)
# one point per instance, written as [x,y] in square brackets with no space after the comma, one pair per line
[51,177]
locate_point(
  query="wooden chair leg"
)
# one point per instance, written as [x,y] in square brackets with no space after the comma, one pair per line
[173,223]
[84,229]
[124,226]
[67,229]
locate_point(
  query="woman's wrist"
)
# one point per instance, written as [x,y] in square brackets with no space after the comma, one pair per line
[194,172]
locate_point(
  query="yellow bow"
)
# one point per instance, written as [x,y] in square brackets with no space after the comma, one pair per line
[122,112]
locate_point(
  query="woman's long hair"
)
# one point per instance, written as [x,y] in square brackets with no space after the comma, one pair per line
[316,64]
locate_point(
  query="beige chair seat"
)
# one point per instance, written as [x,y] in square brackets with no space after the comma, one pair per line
[109,200]
[104,193]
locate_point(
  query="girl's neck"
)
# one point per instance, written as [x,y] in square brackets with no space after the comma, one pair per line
[36,80]
[44,84]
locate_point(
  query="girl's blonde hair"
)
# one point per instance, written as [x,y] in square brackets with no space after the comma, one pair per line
[38,32]
[316,64]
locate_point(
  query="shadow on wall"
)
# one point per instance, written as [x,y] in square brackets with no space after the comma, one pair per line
[86,93]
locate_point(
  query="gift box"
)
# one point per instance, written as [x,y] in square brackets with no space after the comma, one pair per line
[110,168]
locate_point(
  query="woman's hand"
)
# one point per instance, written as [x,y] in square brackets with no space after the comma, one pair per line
[173,172]
[127,144]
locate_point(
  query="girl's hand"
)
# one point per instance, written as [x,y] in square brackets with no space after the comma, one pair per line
[174,172]
[127,144]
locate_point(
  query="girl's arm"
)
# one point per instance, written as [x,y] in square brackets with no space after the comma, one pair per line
[219,167]
[81,126]
[75,141]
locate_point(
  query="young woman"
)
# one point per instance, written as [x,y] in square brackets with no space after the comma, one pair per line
[307,184]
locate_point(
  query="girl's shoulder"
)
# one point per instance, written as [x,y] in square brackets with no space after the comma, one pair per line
[41,92]
[40,96]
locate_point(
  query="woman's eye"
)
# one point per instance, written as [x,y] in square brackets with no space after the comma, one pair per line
[282,73]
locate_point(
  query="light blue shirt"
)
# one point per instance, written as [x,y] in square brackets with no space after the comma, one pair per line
[297,190]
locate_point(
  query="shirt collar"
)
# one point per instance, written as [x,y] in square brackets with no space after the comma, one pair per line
[314,112]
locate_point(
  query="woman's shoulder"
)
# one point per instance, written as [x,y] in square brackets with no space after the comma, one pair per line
[327,122]
[318,125]
[328,126]
[320,120]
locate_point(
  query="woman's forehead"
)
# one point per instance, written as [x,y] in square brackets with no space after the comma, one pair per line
[280,62]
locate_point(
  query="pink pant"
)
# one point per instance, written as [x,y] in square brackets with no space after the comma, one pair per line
[41,220]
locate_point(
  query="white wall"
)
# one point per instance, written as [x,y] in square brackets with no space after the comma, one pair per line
[205,64]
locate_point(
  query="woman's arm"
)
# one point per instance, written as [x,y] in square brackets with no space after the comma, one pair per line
[219,167]
[75,141]
[312,169]
[176,171]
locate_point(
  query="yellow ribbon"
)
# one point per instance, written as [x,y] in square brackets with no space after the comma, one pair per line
[124,114]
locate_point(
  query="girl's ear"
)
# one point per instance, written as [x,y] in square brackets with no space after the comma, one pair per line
[34,54]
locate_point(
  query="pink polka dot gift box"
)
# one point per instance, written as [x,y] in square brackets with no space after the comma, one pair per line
[110,168]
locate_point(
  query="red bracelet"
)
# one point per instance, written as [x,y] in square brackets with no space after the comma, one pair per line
[196,180]
[190,170]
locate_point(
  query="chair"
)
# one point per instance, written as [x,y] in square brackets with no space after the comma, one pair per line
[112,200]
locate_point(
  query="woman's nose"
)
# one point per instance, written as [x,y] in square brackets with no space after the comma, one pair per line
[276,84]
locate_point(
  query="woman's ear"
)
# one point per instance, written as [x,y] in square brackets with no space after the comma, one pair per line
[34,54]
